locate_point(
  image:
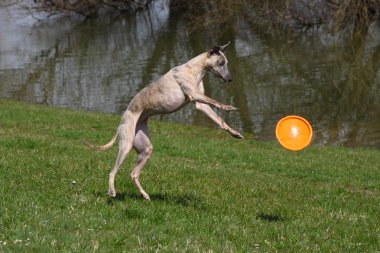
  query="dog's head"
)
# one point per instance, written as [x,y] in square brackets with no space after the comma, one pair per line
[217,63]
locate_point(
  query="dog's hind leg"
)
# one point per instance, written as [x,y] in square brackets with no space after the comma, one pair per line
[126,135]
[144,150]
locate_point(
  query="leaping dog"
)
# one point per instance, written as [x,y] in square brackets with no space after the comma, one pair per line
[178,87]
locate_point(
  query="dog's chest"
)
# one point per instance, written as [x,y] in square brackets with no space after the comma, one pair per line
[171,100]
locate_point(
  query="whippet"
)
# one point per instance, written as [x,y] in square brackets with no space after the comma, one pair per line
[171,92]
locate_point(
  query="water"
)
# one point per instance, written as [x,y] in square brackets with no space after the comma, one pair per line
[99,65]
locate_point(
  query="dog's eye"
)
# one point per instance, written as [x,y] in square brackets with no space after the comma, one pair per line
[221,63]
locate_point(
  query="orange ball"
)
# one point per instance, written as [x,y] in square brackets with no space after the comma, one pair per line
[294,132]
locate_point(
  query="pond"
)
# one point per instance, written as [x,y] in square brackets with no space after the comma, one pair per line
[99,64]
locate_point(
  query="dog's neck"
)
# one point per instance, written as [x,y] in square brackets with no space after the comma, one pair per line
[198,66]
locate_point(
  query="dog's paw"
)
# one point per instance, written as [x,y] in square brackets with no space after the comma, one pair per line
[111,193]
[146,196]
[237,135]
[229,108]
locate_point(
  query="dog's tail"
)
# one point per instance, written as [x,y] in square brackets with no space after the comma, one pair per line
[103,147]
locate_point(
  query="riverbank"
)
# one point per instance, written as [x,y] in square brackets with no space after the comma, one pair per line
[208,190]
[99,65]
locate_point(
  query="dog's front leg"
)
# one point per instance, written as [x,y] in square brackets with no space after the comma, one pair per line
[212,115]
[198,97]
[195,95]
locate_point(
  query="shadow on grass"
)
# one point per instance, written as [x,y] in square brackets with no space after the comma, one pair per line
[120,196]
[185,200]
[270,217]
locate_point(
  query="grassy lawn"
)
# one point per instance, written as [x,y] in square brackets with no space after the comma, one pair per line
[209,192]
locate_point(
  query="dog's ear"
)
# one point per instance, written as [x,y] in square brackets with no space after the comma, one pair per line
[223,47]
[215,50]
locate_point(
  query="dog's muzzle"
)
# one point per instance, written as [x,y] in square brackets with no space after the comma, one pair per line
[227,78]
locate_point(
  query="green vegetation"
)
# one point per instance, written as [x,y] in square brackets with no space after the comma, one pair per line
[209,192]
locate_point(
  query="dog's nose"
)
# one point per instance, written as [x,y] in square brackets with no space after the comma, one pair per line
[227,78]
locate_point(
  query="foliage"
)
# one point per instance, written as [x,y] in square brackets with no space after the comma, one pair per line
[361,13]
[91,7]
[299,14]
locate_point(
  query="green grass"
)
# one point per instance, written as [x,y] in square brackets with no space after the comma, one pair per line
[209,192]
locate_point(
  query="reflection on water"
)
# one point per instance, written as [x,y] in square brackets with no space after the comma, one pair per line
[100,64]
